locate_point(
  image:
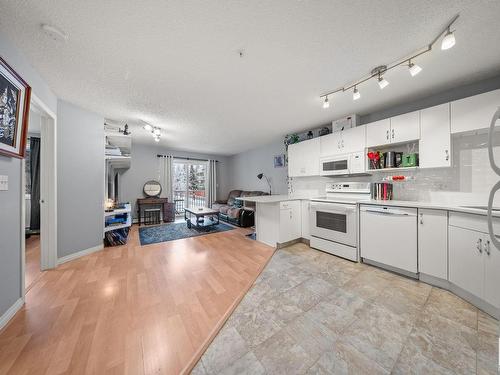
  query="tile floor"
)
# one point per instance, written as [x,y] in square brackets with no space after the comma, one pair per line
[313,313]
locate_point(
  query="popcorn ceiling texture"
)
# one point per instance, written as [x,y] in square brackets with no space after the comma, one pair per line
[468,181]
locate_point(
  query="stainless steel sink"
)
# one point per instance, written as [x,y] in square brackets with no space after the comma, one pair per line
[485,208]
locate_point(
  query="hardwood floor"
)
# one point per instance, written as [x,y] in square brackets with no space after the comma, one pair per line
[32,268]
[132,309]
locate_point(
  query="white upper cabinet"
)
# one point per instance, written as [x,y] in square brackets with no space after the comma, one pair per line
[435,139]
[303,158]
[354,139]
[405,128]
[474,112]
[330,144]
[378,133]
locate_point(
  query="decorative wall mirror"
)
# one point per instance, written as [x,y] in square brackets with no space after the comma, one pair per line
[152,189]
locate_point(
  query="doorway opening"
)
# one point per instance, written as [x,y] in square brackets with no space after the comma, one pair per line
[189,184]
[39,201]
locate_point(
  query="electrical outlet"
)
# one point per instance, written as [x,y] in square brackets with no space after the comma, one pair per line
[4,183]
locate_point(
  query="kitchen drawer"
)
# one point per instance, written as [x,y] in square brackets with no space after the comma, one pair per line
[478,223]
[288,204]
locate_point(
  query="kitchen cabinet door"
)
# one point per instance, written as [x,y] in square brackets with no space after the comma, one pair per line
[353,139]
[305,214]
[378,133]
[433,243]
[405,127]
[435,137]
[491,273]
[474,112]
[295,165]
[303,158]
[330,144]
[289,221]
[466,265]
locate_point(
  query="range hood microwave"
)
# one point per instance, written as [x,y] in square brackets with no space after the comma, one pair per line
[345,164]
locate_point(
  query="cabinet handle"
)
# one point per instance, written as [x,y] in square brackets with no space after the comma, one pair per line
[447,155]
[342,143]
[290,214]
[487,247]
[392,133]
[387,135]
[479,245]
[421,218]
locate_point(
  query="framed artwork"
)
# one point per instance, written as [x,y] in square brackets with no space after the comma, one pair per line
[279,161]
[14,111]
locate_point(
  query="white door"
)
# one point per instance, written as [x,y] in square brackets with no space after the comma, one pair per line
[491,272]
[435,138]
[305,217]
[466,265]
[474,112]
[405,127]
[289,221]
[433,243]
[378,133]
[330,144]
[310,156]
[354,139]
[389,236]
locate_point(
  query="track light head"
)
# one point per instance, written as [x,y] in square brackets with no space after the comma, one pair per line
[355,94]
[448,40]
[414,69]
[157,139]
[326,103]
[382,82]
[157,132]
[148,127]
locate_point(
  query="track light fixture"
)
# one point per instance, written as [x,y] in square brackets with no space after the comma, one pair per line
[413,68]
[447,42]
[326,103]
[148,127]
[355,94]
[155,132]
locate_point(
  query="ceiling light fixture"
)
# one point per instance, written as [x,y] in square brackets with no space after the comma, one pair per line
[148,127]
[54,32]
[414,69]
[355,94]
[379,72]
[155,131]
[157,139]
[448,40]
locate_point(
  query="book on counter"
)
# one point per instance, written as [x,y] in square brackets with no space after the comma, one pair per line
[382,191]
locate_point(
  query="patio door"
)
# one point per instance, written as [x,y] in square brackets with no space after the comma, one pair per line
[189,183]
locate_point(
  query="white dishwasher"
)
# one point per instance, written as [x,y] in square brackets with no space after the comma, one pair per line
[388,237]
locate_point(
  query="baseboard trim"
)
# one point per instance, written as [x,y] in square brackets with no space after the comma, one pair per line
[79,254]
[11,311]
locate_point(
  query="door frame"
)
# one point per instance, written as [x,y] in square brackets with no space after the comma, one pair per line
[48,191]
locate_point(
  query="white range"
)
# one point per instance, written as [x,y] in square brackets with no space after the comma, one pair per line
[334,218]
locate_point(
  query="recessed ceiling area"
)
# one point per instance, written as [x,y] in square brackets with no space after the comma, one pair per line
[177,64]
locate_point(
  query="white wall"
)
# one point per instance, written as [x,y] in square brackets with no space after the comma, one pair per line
[80,179]
[245,167]
[145,167]
[10,201]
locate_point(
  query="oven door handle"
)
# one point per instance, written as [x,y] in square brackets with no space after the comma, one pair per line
[331,207]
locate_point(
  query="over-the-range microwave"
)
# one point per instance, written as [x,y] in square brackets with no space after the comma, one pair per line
[352,163]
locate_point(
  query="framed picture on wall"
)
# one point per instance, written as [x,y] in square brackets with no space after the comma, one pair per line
[279,161]
[14,111]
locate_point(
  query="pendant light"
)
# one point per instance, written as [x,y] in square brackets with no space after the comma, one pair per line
[326,103]
[413,68]
[448,40]
[355,94]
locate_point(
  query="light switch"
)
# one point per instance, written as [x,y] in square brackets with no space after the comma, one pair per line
[4,183]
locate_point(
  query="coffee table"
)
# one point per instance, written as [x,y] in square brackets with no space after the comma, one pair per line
[204,217]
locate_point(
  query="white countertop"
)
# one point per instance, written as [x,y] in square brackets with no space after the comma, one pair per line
[414,204]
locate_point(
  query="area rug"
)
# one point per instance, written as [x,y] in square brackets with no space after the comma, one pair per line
[176,231]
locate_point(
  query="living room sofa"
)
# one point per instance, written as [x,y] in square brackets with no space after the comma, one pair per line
[232,210]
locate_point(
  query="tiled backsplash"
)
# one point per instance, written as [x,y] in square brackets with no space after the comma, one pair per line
[468,181]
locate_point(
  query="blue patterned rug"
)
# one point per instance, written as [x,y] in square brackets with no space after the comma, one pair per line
[176,231]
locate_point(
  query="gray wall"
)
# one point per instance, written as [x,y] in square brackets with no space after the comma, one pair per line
[145,166]
[10,201]
[245,167]
[80,179]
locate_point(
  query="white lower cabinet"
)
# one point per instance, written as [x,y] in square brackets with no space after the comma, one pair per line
[433,243]
[491,273]
[290,226]
[305,213]
[466,260]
